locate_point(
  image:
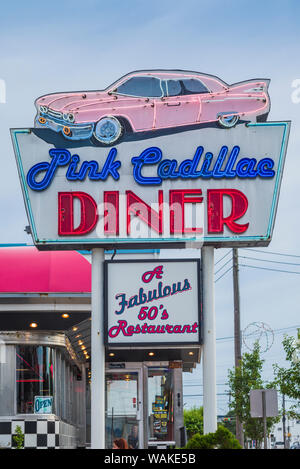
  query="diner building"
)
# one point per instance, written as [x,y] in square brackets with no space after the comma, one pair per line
[45,360]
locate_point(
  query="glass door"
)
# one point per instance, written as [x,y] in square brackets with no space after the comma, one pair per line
[160,405]
[123,407]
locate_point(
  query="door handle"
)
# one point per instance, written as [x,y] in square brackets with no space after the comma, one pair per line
[172,105]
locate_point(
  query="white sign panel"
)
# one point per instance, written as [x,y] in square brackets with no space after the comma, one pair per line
[43,404]
[206,185]
[152,302]
[256,403]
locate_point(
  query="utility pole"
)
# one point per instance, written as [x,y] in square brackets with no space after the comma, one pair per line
[284,422]
[237,331]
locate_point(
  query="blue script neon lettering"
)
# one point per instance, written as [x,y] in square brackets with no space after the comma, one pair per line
[202,166]
[192,169]
[63,158]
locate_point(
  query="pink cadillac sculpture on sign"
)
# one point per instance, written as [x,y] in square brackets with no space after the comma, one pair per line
[148,100]
[159,157]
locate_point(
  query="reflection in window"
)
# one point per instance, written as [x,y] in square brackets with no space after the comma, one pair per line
[160,404]
[193,86]
[121,408]
[147,87]
[182,87]
[173,88]
[34,375]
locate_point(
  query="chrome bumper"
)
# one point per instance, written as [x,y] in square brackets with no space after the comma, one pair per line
[77,132]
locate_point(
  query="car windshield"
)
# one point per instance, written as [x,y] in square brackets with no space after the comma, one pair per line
[146,87]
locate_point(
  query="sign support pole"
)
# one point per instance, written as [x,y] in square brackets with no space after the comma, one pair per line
[209,342]
[97,353]
[264,408]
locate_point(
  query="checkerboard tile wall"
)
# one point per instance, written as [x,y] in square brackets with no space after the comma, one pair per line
[38,434]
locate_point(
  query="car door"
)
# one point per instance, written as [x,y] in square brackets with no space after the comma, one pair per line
[135,100]
[176,107]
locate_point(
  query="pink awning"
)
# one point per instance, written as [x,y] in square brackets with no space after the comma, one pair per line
[25,269]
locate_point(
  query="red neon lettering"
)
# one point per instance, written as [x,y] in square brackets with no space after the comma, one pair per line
[139,208]
[178,198]
[215,216]
[111,212]
[88,213]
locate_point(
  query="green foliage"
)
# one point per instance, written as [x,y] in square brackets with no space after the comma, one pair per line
[193,421]
[19,438]
[221,439]
[288,379]
[241,380]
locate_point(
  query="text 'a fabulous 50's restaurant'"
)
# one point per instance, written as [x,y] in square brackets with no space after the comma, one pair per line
[128,192]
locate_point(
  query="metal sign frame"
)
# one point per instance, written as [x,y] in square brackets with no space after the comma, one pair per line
[132,342]
[170,242]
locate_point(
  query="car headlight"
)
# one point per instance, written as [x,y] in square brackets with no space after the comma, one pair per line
[71,117]
[43,109]
[65,116]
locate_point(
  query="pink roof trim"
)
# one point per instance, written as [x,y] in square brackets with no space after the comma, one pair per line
[25,270]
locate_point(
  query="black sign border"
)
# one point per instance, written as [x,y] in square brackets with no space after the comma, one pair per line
[153,344]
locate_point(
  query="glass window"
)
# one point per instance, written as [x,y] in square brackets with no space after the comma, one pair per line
[193,86]
[7,379]
[160,404]
[34,375]
[121,408]
[148,87]
[173,88]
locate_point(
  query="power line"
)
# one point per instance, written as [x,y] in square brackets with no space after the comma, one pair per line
[260,260]
[266,260]
[219,278]
[223,266]
[222,258]
[276,331]
[270,252]
[272,270]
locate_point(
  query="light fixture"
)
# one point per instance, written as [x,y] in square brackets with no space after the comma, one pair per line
[191,353]
[111,354]
[83,347]
[74,328]
[80,342]
[151,354]
[33,325]
[65,315]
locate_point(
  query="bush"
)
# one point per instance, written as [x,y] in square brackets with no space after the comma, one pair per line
[221,439]
[18,438]
[193,421]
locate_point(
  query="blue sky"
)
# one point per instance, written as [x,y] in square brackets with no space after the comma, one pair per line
[72,45]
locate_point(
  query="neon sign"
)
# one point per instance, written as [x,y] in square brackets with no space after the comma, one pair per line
[136,207]
[203,185]
[166,168]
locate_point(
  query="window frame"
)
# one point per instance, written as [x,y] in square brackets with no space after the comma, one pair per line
[183,88]
[196,79]
[112,91]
